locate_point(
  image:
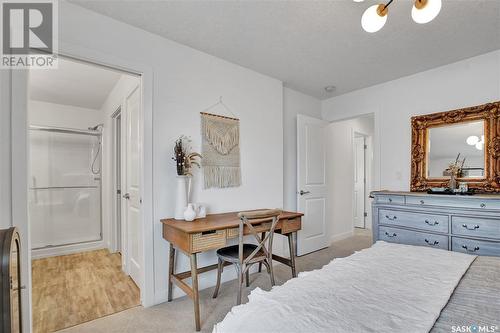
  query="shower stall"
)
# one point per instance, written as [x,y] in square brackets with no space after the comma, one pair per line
[65,187]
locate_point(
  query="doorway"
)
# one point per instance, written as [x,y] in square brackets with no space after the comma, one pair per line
[76,165]
[359,198]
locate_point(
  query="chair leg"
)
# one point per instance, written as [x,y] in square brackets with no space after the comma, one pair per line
[240,283]
[247,277]
[271,272]
[260,263]
[220,267]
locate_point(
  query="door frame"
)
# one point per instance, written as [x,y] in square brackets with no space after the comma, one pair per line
[370,175]
[356,135]
[20,151]
[117,225]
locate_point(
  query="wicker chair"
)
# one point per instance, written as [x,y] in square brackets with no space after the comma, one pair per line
[243,256]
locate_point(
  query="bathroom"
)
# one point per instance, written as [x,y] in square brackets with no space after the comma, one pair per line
[78,135]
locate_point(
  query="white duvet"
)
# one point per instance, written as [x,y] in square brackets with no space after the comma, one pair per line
[386,288]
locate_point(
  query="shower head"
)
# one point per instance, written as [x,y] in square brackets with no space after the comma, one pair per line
[96,127]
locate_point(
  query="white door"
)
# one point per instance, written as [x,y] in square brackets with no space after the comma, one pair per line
[359,182]
[132,186]
[311,184]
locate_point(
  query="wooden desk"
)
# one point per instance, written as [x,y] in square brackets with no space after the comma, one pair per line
[212,233]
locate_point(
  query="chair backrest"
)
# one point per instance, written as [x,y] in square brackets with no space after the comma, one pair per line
[257,222]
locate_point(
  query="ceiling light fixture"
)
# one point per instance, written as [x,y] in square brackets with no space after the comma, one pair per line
[424,11]
[472,140]
[475,141]
[375,17]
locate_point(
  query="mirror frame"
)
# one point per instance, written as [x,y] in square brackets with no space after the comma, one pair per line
[490,114]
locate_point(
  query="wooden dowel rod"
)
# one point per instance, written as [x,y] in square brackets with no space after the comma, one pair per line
[217,115]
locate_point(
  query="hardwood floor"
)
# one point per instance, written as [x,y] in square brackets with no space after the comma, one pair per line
[73,289]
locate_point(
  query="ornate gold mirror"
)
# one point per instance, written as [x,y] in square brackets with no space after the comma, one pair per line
[462,143]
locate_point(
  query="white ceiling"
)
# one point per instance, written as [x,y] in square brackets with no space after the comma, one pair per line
[73,83]
[313,44]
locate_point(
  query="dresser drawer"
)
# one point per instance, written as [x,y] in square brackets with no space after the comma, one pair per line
[424,221]
[475,226]
[204,241]
[453,201]
[402,236]
[390,199]
[472,246]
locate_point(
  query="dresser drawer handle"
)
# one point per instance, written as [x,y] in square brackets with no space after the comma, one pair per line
[468,250]
[431,223]
[391,218]
[469,228]
[390,199]
[422,202]
[389,235]
[482,205]
[431,243]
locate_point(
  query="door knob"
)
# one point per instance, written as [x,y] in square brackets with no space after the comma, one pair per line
[304,192]
[126,196]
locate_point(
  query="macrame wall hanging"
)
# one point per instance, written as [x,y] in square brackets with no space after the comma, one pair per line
[220,149]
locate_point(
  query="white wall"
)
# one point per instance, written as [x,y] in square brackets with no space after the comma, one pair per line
[466,83]
[340,173]
[294,103]
[187,81]
[59,115]
[5,151]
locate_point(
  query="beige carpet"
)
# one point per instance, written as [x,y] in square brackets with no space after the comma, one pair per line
[177,316]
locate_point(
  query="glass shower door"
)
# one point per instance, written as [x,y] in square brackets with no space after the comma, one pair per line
[65,195]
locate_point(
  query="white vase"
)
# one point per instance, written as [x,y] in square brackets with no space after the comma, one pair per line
[181,198]
[189,213]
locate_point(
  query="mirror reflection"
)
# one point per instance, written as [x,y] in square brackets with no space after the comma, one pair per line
[456,148]
[15,294]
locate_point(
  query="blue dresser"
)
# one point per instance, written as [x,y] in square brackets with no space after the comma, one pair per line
[469,224]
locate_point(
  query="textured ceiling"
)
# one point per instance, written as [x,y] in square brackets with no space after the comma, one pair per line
[73,83]
[313,44]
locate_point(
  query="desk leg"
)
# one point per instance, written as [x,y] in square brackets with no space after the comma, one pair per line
[291,247]
[171,271]
[196,301]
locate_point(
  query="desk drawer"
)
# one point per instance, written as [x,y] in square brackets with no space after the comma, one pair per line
[477,247]
[288,226]
[209,240]
[402,236]
[430,222]
[232,233]
[390,199]
[475,226]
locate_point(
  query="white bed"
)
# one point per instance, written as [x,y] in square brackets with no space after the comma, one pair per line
[386,288]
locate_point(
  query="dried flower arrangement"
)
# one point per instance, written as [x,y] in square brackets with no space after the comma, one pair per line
[184,158]
[454,170]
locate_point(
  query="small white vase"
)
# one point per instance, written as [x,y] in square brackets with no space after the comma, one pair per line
[190,213]
[181,198]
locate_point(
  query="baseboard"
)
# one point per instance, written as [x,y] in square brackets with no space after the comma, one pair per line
[67,249]
[341,236]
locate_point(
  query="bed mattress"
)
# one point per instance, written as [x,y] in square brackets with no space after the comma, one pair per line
[475,304]
[388,287]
